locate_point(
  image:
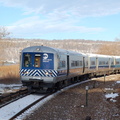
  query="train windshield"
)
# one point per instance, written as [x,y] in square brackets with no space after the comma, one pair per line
[27,60]
[38,60]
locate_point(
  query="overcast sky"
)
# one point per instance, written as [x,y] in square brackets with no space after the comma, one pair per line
[62,19]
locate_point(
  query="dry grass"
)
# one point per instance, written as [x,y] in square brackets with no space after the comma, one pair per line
[9,74]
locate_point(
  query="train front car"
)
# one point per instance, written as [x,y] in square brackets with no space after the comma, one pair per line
[37,69]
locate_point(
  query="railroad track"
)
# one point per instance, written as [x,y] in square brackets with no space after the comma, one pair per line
[16,108]
[28,106]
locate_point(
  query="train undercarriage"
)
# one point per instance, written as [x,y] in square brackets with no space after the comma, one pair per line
[41,87]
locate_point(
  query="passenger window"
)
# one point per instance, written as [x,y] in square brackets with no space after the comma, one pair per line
[86,63]
[81,63]
[62,64]
[107,63]
[92,62]
[117,62]
[27,60]
[37,60]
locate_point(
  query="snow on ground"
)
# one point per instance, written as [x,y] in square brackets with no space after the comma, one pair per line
[9,88]
[112,96]
[117,81]
[11,109]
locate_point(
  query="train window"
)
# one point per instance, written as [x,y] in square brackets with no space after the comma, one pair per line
[27,60]
[37,60]
[81,63]
[112,63]
[76,63]
[73,63]
[117,62]
[107,63]
[62,64]
[102,63]
[86,63]
[92,62]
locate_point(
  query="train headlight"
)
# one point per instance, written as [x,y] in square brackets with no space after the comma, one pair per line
[46,73]
[25,72]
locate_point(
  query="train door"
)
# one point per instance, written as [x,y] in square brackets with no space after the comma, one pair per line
[109,63]
[96,63]
[68,65]
[83,64]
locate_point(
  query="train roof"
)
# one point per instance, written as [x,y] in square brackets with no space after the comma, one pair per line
[39,49]
[117,57]
[99,55]
[50,50]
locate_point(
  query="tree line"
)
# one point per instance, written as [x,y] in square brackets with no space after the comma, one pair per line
[10,48]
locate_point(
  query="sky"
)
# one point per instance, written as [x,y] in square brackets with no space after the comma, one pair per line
[61,19]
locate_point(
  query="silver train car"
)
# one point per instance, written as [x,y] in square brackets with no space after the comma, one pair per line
[44,68]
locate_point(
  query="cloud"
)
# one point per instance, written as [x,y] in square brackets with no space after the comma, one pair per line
[81,8]
[36,27]
[49,16]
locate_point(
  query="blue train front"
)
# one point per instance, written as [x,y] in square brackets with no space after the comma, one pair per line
[38,68]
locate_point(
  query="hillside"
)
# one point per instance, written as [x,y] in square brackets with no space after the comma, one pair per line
[10,48]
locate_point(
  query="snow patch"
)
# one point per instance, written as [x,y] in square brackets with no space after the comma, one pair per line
[117,81]
[112,96]
[9,88]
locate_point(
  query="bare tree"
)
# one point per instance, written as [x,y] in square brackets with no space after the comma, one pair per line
[110,49]
[3,32]
[117,39]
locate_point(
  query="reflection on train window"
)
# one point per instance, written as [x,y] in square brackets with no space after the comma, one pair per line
[27,60]
[112,63]
[117,62]
[37,60]
[86,63]
[107,63]
[76,63]
[101,62]
[81,63]
[62,64]
[92,62]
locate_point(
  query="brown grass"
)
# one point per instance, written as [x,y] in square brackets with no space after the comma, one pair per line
[9,74]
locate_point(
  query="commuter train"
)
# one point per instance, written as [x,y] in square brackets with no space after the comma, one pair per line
[45,68]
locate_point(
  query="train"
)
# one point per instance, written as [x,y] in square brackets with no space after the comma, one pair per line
[45,68]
